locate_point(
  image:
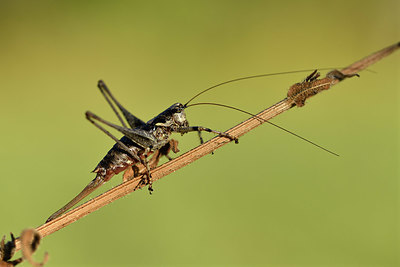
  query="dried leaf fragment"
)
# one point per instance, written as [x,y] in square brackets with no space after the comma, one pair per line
[300,92]
[7,251]
[30,239]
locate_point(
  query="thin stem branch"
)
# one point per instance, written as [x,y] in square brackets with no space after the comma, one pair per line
[196,153]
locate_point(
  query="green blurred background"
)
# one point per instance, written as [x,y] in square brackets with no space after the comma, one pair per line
[272,200]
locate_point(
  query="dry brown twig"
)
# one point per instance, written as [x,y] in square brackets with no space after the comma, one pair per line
[294,97]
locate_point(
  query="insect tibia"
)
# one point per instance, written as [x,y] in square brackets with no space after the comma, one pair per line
[199,129]
[132,120]
[300,92]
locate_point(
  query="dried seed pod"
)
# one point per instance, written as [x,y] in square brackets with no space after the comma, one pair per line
[311,86]
[299,92]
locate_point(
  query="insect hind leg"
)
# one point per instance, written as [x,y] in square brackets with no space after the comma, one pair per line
[92,117]
[141,158]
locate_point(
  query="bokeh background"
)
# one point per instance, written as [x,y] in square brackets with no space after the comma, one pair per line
[272,200]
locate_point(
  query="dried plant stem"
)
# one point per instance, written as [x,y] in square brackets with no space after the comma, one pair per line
[196,153]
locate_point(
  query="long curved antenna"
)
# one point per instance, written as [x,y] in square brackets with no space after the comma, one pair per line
[251,77]
[263,120]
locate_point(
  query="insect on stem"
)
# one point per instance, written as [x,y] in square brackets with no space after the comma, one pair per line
[193,155]
[142,139]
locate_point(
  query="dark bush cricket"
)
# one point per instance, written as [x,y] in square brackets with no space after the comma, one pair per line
[141,139]
[138,142]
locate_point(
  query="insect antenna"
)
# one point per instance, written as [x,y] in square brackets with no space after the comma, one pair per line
[250,77]
[263,120]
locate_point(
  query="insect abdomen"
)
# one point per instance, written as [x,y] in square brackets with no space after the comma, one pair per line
[117,159]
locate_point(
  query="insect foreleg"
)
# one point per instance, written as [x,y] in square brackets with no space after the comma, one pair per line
[200,137]
[140,137]
[184,130]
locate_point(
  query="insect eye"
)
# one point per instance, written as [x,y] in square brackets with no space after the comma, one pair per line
[177,110]
[178,107]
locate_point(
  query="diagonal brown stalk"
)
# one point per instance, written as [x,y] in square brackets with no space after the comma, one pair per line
[198,152]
